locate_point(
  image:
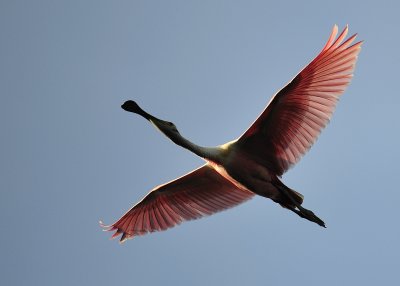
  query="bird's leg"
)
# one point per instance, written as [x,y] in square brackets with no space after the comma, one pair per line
[300,211]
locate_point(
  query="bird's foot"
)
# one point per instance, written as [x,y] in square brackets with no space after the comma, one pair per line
[309,215]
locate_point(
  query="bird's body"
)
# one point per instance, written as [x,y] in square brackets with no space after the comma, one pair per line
[244,171]
[252,164]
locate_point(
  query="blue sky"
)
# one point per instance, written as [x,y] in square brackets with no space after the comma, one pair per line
[71,156]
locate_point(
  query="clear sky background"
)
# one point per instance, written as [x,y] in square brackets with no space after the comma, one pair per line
[71,156]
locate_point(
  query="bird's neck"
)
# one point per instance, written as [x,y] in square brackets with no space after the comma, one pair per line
[208,153]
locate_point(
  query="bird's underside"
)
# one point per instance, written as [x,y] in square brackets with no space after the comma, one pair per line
[254,163]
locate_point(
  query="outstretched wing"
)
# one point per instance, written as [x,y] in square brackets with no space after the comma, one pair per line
[295,116]
[194,195]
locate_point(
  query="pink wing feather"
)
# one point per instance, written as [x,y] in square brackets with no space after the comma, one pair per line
[200,193]
[296,115]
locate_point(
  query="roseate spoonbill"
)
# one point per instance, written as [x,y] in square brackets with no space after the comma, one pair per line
[252,164]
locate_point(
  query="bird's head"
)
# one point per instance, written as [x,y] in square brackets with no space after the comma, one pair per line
[166,127]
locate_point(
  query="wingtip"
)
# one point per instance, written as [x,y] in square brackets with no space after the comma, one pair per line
[334,42]
[102,225]
[332,37]
[346,29]
[105,227]
[335,30]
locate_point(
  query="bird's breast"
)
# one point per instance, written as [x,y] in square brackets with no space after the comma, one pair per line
[241,170]
[223,172]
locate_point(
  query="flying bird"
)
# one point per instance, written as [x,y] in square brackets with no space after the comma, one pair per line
[254,163]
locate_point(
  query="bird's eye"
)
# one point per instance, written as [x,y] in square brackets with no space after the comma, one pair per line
[170,123]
